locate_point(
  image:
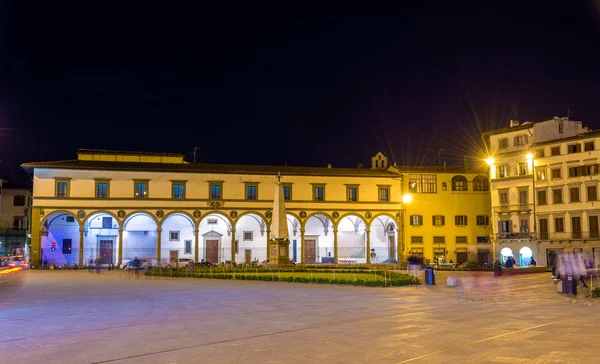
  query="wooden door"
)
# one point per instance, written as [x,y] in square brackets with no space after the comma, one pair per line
[310,251]
[593,225]
[173,255]
[544,229]
[106,251]
[391,247]
[212,251]
[248,256]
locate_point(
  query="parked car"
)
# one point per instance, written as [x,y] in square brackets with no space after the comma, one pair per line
[17,261]
[390,261]
[178,263]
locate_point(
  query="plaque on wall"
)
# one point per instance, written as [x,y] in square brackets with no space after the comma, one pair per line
[233,214]
[160,213]
[368,215]
[81,214]
[197,214]
[335,214]
[121,213]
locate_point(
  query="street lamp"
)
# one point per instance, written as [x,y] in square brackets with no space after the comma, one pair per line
[531,161]
[490,161]
[406,199]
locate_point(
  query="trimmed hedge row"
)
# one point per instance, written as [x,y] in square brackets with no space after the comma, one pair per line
[393,278]
[596,292]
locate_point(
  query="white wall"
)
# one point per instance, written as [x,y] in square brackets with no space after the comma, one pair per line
[185,227]
[314,227]
[352,239]
[221,227]
[258,244]
[379,238]
[140,238]
[58,230]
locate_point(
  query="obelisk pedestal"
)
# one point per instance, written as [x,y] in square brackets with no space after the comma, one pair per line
[279,245]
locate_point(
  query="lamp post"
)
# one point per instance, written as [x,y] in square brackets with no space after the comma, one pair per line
[406,199]
[531,160]
[490,161]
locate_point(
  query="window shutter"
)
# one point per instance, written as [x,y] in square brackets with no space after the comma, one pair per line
[526,139]
[411,221]
[515,141]
[433,220]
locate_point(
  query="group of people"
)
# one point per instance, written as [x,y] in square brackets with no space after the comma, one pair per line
[414,262]
[569,264]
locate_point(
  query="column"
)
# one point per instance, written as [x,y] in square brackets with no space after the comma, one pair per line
[120,258]
[158,245]
[35,254]
[268,240]
[302,257]
[196,252]
[368,246]
[81,240]
[232,243]
[335,246]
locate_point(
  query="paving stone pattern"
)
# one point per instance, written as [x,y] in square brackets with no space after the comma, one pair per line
[81,317]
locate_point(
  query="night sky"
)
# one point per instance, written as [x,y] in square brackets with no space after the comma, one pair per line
[266,84]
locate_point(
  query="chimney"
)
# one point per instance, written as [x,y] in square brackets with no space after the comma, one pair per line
[359,165]
[329,166]
[514,123]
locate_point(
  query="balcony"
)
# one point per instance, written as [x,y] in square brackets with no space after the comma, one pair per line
[521,208]
[570,235]
[515,236]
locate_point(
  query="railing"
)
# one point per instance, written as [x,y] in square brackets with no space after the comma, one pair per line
[570,235]
[517,207]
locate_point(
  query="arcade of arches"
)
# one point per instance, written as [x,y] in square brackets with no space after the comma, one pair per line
[214,237]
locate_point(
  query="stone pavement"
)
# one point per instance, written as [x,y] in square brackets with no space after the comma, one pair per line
[81,317]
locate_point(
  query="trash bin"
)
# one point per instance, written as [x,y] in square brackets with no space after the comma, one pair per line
[569,286]
[429,275]
[497,269]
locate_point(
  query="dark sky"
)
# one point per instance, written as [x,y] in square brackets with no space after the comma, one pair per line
[268,84]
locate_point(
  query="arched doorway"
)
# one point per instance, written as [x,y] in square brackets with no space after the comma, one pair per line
[251,239]
[318,239]
[352,240]
[525,255]
[214,233]
[177,237]
[60,239]
[101,239]
[505,253]
[140,238]
[384,239]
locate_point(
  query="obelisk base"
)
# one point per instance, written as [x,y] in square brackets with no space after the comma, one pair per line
[279,252]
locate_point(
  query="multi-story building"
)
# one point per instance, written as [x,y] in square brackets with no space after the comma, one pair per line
[117,205]
[448,220]
[15,201]
[544,178]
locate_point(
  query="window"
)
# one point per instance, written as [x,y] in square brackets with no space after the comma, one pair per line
[573,148]
[556,174]
[422,183]
[503,143]
[215,190]
[62,189]
[542,197]
[438,220]
[384,194]
[522,168]
[19,200]
[539,153]
[589,170]
[248,235]
[439,239]
[212,222]
[416,220]
[460,220]
[66,246]
[251,192]
[574,172]
[141,189]
[559,224]
[483,220]
[106,222]
[524,226]
[461,240]
[19,222]
[502,171]
[416,240]
[352,193]
[592,193]
[480,183]
[287,192]
[554,151]
[178,190]
[188,247]
[237,247]
[561,128]
[520,140]
[101,189]
[444,186]
[540,174]
[459,183]
[574,193]
[173,235]
[557,196]
[588,146]
[483,240]
[503,196]
[70,219]
[576,227]
[319,193]
[523,197]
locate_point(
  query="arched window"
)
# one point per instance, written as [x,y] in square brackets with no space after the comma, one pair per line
[480,183]
[459,183]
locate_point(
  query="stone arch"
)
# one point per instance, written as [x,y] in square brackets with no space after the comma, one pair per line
[383,240]
[348,214]
[252,212]
[61,212]
[252,233]
[107,212]
[96,234]
[222,215]
[317,213]
[459,183]
[138,212]
[386,214]
[178,236]
[180,212]
[66,238]
[352,238]
[481,183]
[319,239]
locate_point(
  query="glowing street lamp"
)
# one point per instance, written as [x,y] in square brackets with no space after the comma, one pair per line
[407,198]
[490,161]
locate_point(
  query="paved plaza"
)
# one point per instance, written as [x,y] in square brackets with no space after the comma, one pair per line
[80,317]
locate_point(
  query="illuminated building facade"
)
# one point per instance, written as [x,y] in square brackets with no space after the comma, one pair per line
[544,178]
